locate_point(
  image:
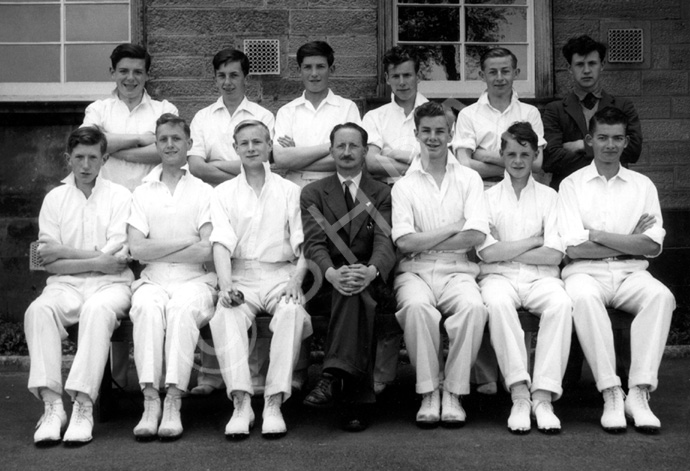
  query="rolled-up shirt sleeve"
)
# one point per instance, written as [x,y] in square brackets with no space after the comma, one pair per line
[551,238]
[137,218]
[403,215]
[222,233]
[652,207]
[116,233]
[476,216]
[465,137]
[295,222]
[570,226]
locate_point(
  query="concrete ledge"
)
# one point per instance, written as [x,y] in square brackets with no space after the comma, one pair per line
[19,363]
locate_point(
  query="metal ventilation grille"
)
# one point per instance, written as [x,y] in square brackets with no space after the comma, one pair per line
[625,45]
[264,56]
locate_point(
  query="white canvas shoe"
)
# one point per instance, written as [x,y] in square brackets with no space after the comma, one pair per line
[637,409]
[80,427]
[429,413]
[547,422]
[519,421]
[147,428]
[452,413]
[51,424]
[171,423]
[613,418]
[273,424]
[242,417]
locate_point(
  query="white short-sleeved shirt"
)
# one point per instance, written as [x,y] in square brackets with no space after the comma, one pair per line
[98,222]
[480,125]
[112,115]
[533,215]
[310,127]
[588,201]
[213,128]
[265,228]
[419,205]
[158,214]
[389,128]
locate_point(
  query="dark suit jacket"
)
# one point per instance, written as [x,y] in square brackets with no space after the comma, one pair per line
[365,240]
[565,122]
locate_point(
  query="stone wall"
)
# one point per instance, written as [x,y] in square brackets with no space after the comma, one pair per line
[183,36]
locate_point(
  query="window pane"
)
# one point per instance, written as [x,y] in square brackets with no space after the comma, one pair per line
[428,24]
[29,23]
[439,62]
[489,24]
[97,22]
[474,53]
[495,2]
[88,62]
[30,63]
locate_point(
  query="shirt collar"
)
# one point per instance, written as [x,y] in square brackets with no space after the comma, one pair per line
[508,185]
[145,98]
[581,94]
[418,101]
[330,99]
[155,174]
[484,99]
[357,179]
[267,169]
[591,172]
[416,164]
[220,104]
[70,180]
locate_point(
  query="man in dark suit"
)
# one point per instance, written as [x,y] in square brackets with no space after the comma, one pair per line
[566,121]
[346,220]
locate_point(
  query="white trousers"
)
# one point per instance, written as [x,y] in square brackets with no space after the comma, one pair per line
[427,292]
[547,299]
[166,328]
[98,308]
[290,324]
[628,286]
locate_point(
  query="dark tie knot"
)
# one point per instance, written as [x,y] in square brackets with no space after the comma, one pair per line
[589,101]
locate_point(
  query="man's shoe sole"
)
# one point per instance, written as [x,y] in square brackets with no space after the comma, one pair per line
[318,405]
[236,437]
[615,430]
[76,443]
[273,435]
[145,438]
[48,443]
[519,431]
[169,438]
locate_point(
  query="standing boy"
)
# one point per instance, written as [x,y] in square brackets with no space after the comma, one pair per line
[303,125]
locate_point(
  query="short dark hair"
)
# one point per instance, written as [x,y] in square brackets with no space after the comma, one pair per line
[497,52]
[522,133]
[430,109]
[610,116]
[131,51]
[231,55]
[356,127]
[399,55]
[316,48]
[250,123]
[173,120]
[583,45]
[88,136]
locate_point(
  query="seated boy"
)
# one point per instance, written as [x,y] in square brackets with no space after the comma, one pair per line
[520,268]
[169,231]
[257,242]
[82,244]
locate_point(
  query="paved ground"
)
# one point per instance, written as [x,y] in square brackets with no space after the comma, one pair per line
[392,442]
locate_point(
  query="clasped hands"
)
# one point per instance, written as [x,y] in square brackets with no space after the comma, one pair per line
[349,280]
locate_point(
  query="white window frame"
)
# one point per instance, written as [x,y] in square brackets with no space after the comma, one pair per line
[63,90]
[539,70]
